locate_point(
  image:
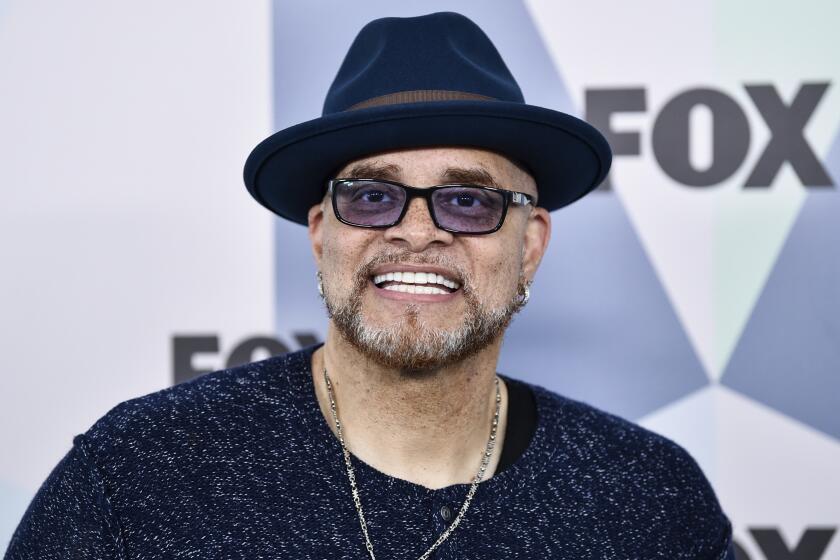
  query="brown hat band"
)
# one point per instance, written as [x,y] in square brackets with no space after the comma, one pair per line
[418,96]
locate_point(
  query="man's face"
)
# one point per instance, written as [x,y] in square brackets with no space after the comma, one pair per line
[475,280]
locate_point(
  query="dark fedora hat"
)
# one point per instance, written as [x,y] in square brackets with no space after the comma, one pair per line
[433,80]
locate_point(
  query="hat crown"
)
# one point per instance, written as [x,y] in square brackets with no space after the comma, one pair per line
[440,52]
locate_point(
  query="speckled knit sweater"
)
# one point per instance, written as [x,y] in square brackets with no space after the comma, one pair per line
[241,463]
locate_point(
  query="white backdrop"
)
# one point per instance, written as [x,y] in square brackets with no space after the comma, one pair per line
[124,219]
[132,257]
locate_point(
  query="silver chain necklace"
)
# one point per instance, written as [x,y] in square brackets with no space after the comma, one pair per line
[485,459]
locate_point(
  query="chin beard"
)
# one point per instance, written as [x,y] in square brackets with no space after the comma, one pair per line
[409,344]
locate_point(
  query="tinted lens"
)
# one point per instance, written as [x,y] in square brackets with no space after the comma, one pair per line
[468,209]
[368,203]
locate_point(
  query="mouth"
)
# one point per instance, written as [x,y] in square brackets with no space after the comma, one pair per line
[398,280]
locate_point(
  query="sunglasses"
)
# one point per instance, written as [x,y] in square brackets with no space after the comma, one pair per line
[455,207]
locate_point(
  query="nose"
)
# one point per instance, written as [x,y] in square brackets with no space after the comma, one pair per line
[416,230]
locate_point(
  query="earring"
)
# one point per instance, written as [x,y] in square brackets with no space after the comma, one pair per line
[524,294]
[320,283]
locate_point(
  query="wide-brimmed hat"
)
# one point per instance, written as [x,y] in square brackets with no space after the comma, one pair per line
[433,80]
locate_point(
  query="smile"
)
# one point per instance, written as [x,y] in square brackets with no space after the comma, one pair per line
[413,282]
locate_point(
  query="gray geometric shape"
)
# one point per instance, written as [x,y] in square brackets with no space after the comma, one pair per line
[788,356]
[599,326]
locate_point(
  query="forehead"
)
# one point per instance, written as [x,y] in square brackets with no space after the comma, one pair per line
[430,166]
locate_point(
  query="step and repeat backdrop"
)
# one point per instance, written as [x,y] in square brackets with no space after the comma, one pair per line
[697,292]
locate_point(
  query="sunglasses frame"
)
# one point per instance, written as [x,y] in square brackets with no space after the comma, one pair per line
[514,198]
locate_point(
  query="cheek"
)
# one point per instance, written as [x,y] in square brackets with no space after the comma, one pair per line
[498,271]
[343,253]
[332,252]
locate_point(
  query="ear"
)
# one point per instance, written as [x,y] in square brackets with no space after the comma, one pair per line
[537,235]
[316,221]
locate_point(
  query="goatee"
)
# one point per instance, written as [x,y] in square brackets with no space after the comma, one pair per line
[410,345]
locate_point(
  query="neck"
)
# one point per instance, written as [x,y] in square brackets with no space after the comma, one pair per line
[427,427]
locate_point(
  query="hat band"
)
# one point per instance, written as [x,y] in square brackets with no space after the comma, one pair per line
[419,96]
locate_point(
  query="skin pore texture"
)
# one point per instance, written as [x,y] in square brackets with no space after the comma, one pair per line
[413,374]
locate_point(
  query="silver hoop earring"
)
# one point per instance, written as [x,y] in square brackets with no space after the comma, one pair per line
[320,283]
[525,295]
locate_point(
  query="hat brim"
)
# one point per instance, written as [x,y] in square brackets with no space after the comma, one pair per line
[288,171]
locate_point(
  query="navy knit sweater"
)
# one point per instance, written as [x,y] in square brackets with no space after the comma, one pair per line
[241,464]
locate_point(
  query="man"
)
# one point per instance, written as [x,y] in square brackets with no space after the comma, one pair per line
[426,187]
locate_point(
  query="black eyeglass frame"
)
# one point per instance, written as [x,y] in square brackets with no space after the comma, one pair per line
[515,198]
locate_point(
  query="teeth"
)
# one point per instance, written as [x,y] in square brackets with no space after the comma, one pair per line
[416,279]
[414,289]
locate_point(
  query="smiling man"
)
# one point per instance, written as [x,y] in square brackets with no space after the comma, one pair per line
[426,186]
[418,311]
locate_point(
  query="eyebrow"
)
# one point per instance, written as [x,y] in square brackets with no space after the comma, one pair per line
[473,175]
[392,172]
[374,170]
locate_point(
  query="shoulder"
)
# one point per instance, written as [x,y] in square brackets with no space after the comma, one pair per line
[635,478]
[607,439]
[216,406]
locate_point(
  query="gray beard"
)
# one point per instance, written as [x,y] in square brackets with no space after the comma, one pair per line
[410,345]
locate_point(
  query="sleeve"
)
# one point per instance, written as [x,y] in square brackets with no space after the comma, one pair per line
[683,518]
[697,511]
[730,552]
[70,516]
